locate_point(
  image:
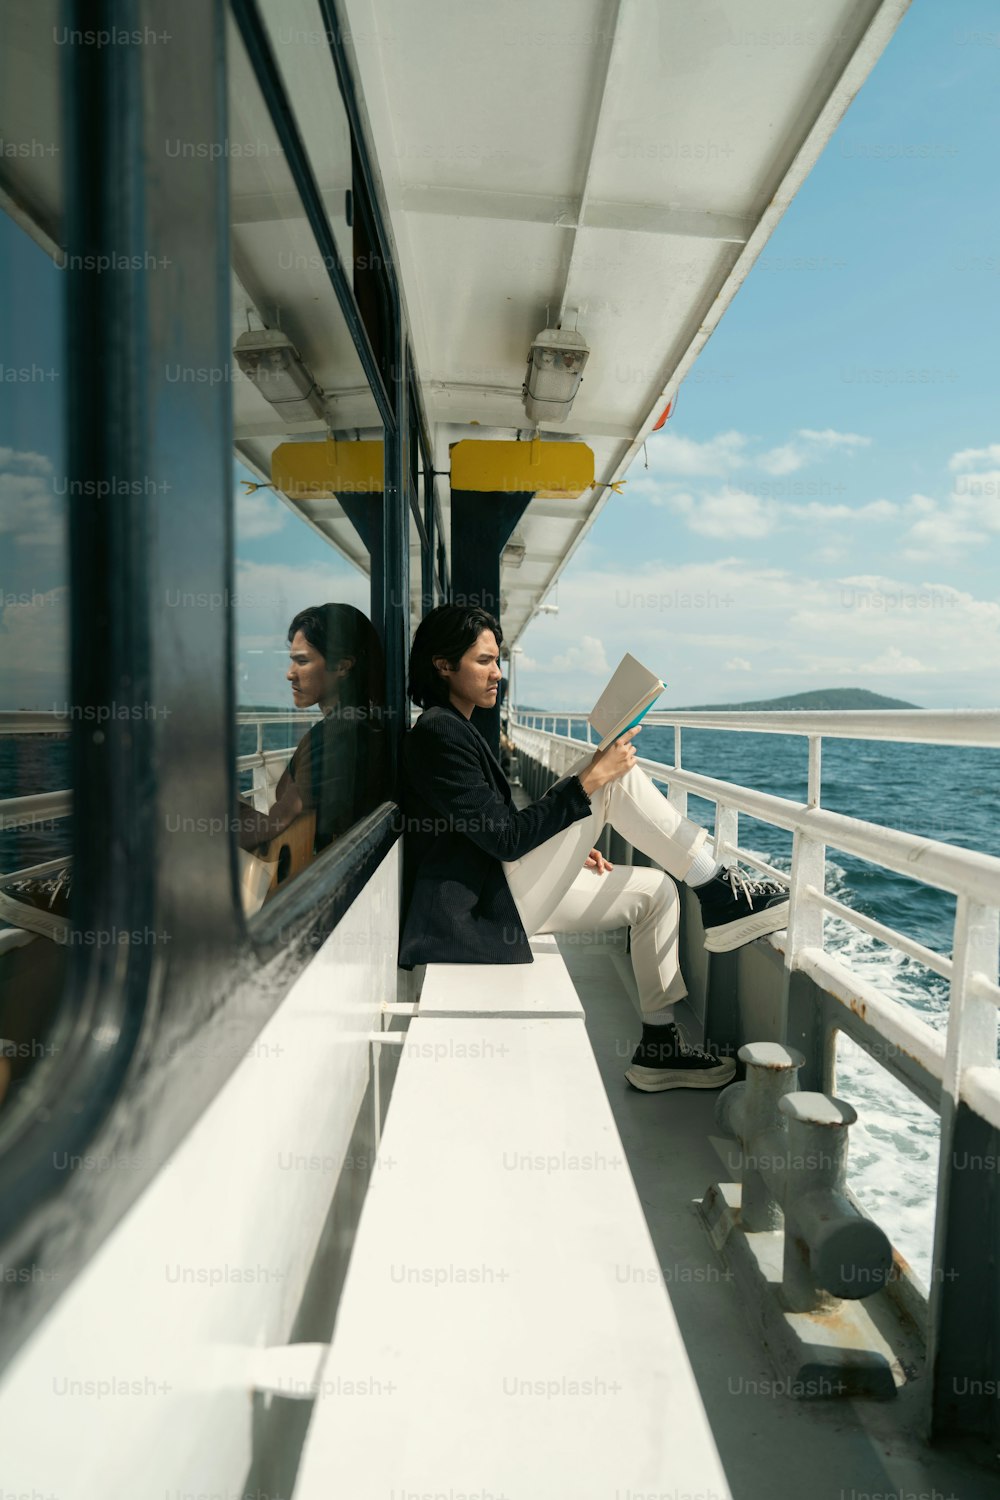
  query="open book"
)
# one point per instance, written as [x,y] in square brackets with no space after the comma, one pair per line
[627,698]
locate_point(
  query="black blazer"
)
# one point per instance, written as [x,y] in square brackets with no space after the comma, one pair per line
[459,823]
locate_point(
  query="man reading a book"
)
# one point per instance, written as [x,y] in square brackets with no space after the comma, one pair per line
[480,876]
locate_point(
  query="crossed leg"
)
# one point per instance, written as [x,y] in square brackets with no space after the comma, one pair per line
[554,893]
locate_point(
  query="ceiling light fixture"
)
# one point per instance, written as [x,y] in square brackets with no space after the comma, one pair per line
[512,555]
[555,369]
[270,359]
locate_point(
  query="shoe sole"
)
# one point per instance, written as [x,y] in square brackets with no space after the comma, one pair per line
[658,1080]
[734,934]
[31,919]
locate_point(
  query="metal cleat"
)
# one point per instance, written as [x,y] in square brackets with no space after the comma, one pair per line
[750,1111]
[795,1240]
[831,1249]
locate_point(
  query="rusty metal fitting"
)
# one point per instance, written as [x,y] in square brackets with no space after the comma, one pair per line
[750,1112]
[831,1249]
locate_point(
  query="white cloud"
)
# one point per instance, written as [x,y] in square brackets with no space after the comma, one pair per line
[834,553]
[673,454]
[34,644]
[34,463]
[893,662]
[588,658]
[732,513]
[964,520]
[677,500]
[971,458]
[696,623]
[815,510]
[30,512]
[749,508]
[791,456]
[829,438]
[941,533]
[978,495]
[784,459]
[258,514]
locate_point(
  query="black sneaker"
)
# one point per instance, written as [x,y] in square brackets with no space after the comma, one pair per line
[735,910]
[662,1061]
[38,903]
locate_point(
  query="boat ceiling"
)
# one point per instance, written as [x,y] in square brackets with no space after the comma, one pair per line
[612,165]
[615,166]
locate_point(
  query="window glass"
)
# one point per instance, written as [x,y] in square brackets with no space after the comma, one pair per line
[416,564]
[426,491]
[301,46]
[301,49]
[310,457]
[35,711]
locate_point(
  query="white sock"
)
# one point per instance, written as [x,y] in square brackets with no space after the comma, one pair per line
[704,867]
[663,1017]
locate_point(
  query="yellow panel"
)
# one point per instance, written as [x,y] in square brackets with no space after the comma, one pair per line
[314,470]
[548,470]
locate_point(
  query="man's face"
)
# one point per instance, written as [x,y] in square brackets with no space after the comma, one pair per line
[475,681]
[311,679]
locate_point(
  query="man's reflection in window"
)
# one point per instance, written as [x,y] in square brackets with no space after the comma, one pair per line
[338,770]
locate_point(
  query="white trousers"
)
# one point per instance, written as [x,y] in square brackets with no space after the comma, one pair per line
[554,893]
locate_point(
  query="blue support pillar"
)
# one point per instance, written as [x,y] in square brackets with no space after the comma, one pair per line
[481,526]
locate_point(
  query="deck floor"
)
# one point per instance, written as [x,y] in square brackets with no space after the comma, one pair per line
[770,1443]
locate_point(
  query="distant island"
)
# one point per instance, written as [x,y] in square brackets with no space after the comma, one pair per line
[823,699]
[819,701]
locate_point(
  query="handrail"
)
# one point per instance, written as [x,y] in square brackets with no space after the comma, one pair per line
[962,872]
[263,758]
[18,721]
[974,728]
[40,807]
[24,812]
[971,876]
[15,721]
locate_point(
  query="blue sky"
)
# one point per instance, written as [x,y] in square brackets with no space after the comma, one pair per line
[823,508]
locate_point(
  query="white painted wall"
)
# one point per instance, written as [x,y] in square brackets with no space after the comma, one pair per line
[137,1383]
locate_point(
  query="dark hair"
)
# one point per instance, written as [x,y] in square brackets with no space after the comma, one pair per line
[447,631]
[339,630]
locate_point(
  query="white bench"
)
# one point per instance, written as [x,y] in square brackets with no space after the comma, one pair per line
[504,1329]
[540,989]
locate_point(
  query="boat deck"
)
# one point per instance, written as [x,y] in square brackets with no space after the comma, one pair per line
[769,1442]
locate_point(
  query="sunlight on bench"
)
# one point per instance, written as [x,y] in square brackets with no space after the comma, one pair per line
[504,1326]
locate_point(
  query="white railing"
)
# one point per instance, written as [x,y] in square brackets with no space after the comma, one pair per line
[279,716]
[40,808]
[964,1061]
[265,763]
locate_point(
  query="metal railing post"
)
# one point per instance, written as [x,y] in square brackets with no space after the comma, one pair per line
[727,830]
[677,795]
[815,769]
[803,1027]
